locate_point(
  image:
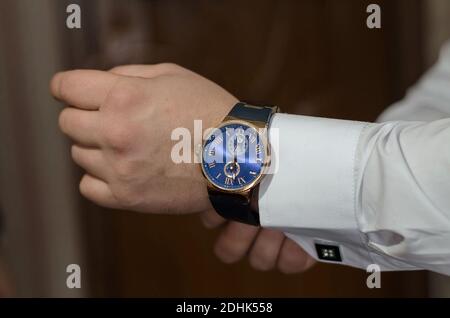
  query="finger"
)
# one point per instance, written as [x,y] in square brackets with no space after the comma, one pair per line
[264,253]
[97,191]
[147,71]
[86,89]
[293,259]
[81,126]
[234,241]
[211,219]
[91,160]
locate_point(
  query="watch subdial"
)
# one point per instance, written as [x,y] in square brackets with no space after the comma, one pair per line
[232,169]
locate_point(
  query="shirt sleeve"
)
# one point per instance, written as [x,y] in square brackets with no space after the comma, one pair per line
[429,99]
[358,193]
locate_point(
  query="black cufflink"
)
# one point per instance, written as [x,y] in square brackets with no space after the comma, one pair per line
[328,252]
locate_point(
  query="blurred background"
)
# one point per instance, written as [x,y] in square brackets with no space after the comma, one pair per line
[312,57]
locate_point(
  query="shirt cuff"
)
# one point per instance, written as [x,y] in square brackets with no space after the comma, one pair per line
[312,193]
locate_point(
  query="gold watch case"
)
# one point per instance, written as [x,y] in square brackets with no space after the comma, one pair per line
[257,125]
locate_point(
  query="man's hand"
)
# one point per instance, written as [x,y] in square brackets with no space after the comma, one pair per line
[266,249]
[121,123]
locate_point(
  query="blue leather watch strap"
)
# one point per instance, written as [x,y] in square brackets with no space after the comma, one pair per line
[237,207]
[253,113]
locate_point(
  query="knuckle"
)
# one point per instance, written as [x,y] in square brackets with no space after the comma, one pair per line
[62,85]
[226,253]
[288,264]
[117,69]
[126,187]
[66,81]
[124,94]
[124,170]
[126,196]
[84,188]
[260,261]
[119,136]
[170,67]
[74,152]
[63,120]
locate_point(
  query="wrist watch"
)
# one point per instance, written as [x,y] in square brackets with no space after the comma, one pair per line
[235,157]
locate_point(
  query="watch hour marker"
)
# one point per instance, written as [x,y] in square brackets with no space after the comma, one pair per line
[252,173]
[218,175]
[228,181]
[212,151]
[258,149]
[241,180]
[218,140]
[212,164]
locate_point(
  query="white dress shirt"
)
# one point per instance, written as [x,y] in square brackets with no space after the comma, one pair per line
[379,193]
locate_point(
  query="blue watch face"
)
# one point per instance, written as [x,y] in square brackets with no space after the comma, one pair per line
[233,156]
